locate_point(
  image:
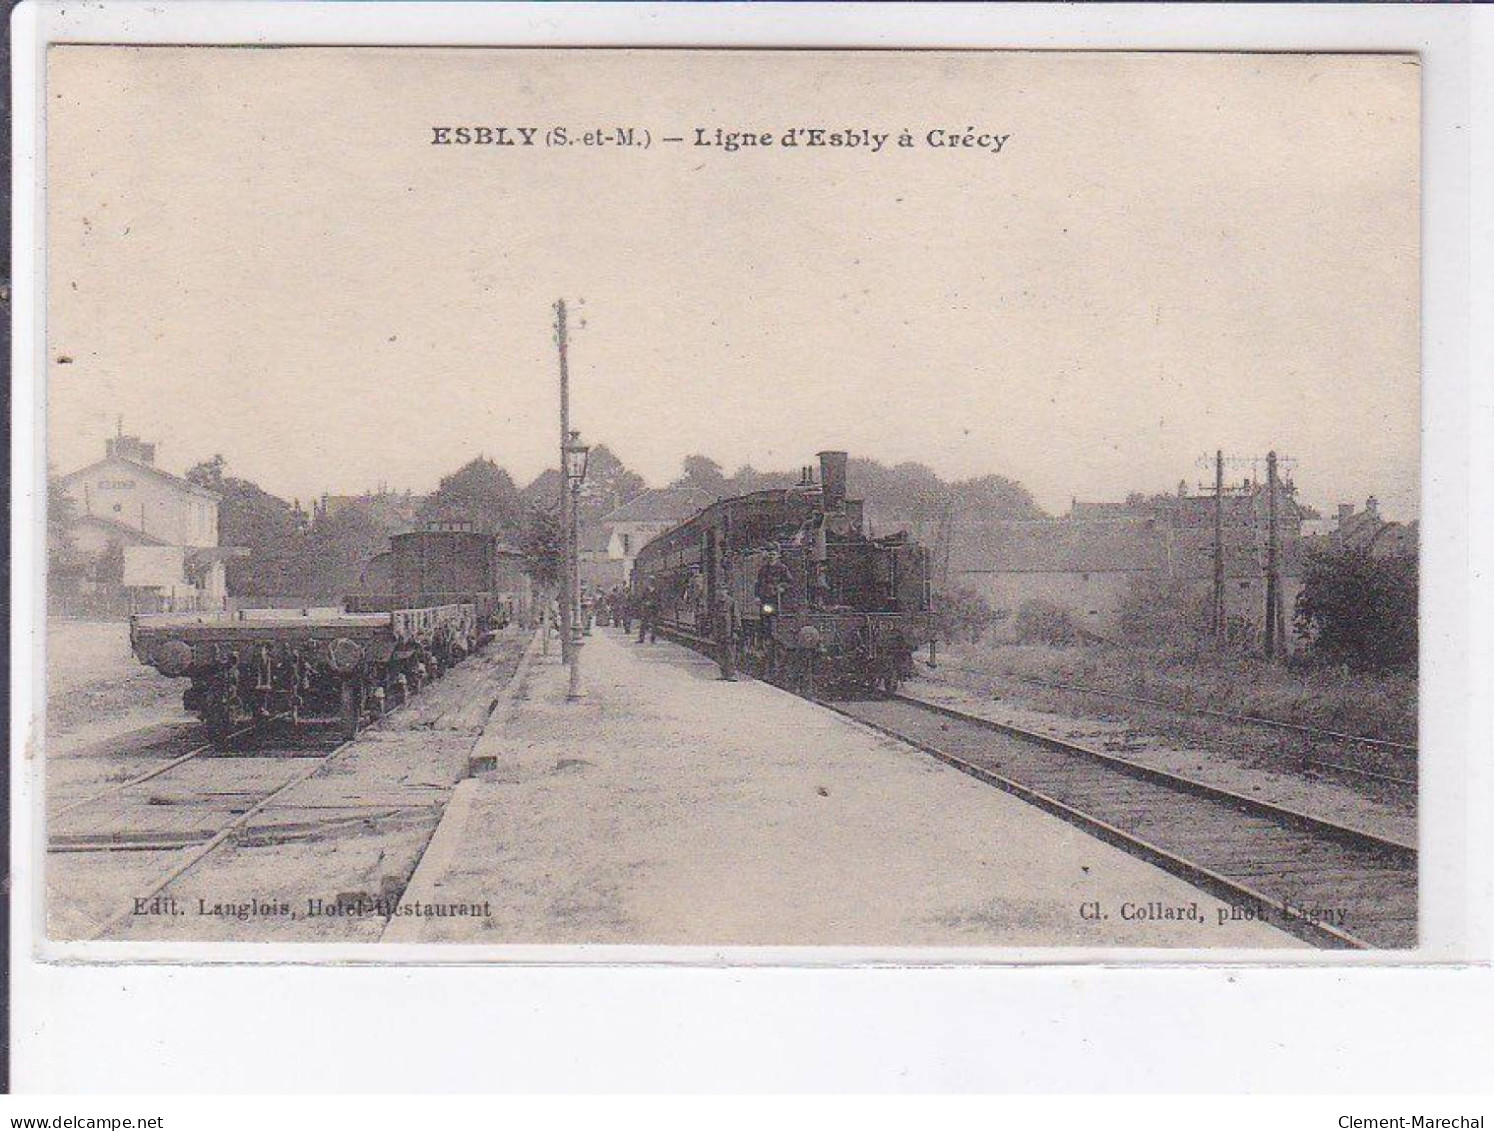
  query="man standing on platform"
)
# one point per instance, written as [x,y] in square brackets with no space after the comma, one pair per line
[648,613]
[724,615]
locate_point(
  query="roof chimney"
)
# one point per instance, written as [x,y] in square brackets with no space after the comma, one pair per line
[833,479]
[1344,511]
[130,448]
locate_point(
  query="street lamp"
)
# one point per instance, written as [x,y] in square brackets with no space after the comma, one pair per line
[577,455]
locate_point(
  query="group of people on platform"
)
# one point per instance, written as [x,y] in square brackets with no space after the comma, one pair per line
[621,607]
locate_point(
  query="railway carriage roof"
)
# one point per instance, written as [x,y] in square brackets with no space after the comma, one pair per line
[774,502]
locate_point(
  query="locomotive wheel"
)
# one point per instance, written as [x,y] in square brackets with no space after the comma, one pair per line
[805,674]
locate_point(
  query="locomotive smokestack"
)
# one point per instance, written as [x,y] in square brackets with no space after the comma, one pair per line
[833,479]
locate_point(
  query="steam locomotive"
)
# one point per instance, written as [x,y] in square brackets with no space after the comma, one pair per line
[790,581]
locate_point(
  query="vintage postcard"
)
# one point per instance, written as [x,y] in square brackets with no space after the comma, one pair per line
[732,498]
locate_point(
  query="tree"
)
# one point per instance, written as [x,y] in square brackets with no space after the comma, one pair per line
[62,512]
[543,490]
[747,479]
[608,485]
[330,558]
[704,474]
[993,498]
[480,492]
[209,473]
[543,547]
[1358,609]
[254,520]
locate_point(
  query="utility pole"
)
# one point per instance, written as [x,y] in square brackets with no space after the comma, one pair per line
[1273,553]
[939,587]
[1220,620]
[567,519]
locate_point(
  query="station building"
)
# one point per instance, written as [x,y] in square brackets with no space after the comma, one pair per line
[147,540]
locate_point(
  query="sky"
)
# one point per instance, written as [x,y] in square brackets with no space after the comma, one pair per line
[261,253]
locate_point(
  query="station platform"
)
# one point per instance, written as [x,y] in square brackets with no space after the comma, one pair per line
[671,807]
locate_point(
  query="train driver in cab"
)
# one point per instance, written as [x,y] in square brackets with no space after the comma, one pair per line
[773,577]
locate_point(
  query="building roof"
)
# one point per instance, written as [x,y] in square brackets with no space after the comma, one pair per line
[1058,546]
[661,504]
[134,465]
[1111,545]
[122,529]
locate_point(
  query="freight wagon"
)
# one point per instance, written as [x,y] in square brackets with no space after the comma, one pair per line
[340,665]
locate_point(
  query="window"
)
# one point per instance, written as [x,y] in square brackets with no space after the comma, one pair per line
[627,542]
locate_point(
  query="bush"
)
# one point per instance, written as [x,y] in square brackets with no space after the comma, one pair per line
[1359,610]
[1158,612]
[963,614]
[1042,622]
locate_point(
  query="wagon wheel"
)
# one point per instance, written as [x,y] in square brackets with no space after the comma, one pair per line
[351,713]
[218,722]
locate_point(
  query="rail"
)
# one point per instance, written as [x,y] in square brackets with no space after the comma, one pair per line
[1407,750]
[1236,847]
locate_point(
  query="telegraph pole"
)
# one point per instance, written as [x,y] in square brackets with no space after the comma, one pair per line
[1273,553]
[939,587]
[1220,620]
[567,519]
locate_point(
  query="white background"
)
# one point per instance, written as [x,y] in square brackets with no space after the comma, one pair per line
[361,1028]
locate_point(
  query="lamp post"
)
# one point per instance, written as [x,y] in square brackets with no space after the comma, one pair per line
[576,457]
[562,598]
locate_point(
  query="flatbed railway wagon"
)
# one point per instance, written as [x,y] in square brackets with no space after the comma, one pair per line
[791,580]
[313,666]
[336,665]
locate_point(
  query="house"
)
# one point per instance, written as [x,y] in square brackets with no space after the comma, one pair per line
[1084,566]
[143,530]
[1090,561]
[395,511]
[609,547]
[1368,530]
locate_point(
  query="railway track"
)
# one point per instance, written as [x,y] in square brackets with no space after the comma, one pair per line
[1391,763]
[138,779]
[1328,884]
[198,812]
[186,811]
[186,808]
